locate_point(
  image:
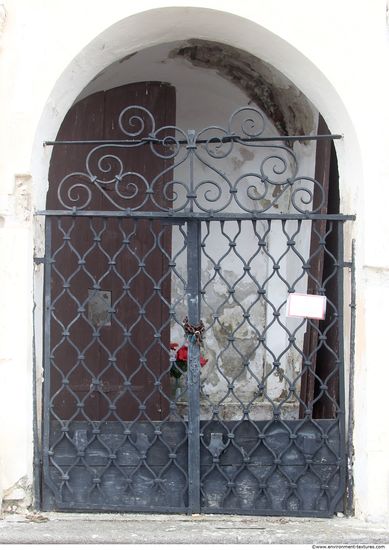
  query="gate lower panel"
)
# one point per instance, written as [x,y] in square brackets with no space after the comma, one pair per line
[107,469]
[269,468]
[292,469]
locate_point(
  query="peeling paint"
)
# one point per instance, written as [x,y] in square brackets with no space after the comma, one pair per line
[18,497]
[127,57]
[280,373]
[245,156]
[283,395]
[22,197]
[3,18]
[233,411]
[290,111]
[226,358]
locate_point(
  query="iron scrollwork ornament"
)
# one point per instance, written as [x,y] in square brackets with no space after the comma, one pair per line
[209,154]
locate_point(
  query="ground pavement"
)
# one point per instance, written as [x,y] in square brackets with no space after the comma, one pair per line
[72,528]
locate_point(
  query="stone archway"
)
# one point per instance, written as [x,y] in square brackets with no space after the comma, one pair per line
[158,26]
[283,122]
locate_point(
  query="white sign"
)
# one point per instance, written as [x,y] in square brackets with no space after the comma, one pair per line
[306,305]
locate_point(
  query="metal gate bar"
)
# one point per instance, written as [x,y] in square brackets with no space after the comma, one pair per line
[152,446]
[194,368]
[341,373]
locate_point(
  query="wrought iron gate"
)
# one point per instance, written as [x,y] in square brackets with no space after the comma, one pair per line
[138,414]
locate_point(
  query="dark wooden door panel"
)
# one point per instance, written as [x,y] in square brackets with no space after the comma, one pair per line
[80,357]
[322,357]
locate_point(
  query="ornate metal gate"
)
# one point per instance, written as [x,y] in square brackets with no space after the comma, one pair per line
[143,412]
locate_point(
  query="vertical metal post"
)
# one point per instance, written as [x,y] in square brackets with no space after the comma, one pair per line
[340,283]
[46,355]
[350,424]
[193,296]
[37,477]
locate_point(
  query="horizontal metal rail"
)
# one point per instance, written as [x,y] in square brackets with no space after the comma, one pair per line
[225,139]
[201,216]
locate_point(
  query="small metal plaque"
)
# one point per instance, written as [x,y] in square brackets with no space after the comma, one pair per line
[99,304]
[306,305]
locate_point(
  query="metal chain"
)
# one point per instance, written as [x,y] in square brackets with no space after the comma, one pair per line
[194,331]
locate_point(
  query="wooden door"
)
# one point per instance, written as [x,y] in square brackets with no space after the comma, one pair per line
[110,364]
[323,368]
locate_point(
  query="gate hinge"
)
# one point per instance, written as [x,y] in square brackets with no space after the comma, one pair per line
[39,260]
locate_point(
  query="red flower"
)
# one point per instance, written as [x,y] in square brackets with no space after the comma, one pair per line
[181,360]
[182,353]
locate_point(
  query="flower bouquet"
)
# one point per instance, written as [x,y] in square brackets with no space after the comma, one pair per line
[180,364]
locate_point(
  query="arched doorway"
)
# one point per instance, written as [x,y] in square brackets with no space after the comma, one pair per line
[227,243]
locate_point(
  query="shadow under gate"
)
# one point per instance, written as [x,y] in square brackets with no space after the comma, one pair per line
[144,412]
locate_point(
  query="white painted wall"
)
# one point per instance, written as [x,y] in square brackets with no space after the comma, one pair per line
[336,53]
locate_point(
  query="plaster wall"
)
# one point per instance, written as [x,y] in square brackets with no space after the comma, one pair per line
[335,53]
[207,96]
